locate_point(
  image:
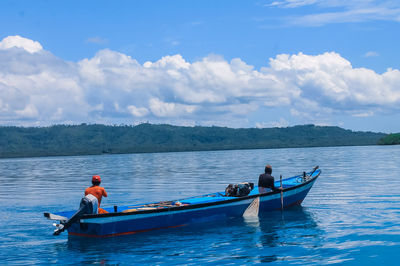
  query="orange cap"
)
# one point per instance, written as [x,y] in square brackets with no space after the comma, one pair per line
[96,178]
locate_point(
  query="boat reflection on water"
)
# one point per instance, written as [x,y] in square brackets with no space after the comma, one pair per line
[265,238]
[278,232]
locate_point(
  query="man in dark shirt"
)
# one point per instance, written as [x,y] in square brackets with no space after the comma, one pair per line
[266,180]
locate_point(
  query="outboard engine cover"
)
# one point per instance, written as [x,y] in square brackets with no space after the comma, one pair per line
[89,205]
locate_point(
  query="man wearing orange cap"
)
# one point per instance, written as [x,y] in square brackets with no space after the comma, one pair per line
[97,191]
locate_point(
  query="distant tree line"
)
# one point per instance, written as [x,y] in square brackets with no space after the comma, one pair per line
[101,139]
[391,139]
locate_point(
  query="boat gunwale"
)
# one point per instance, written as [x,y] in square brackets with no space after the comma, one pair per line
[197,206]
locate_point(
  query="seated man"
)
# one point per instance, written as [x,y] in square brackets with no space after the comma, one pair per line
[266,181]
[97,191]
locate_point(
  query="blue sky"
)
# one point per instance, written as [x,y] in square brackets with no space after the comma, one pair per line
[226,63]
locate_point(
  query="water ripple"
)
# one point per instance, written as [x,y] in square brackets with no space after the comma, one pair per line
[350,217]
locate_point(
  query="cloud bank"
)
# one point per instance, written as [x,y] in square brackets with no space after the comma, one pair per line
[38,88]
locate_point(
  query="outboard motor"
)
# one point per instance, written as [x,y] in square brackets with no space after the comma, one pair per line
[88,205]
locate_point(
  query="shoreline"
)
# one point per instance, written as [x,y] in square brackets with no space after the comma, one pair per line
[211,150]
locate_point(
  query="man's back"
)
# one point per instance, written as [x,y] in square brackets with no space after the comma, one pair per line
[266,180]
[96,191]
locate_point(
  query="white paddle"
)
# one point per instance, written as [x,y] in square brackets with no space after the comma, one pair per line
[252,209]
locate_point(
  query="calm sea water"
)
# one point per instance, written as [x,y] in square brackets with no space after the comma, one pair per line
[350,217]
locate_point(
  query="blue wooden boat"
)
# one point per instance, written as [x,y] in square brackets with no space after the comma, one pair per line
[131,219]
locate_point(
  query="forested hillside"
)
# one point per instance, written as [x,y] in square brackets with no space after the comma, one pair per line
[391,139]
[100,139]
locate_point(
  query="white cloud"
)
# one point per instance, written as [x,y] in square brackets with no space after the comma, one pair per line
[39,87]
[371,54]
[339,11]
[292,3]
[112,87]
[332,80]
[137,111]
[20,42]
[163,109]
[281,123]
[172,41]
[29,111]
[365,114]
[96,40]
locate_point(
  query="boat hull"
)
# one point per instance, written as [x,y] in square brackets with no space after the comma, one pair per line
[114,224]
